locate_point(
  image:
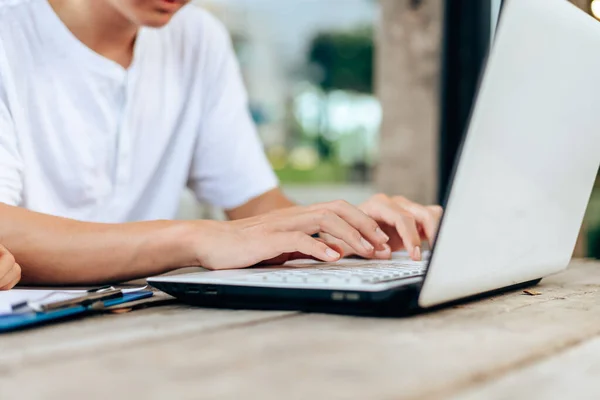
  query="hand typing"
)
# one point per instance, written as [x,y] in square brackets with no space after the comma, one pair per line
[407,224]
[286,234]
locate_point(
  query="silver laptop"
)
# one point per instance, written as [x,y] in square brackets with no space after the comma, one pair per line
[518,196]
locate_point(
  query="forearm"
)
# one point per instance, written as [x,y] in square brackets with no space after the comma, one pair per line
[270,201]
[55,250]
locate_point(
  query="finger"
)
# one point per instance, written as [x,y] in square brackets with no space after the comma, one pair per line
[385,254]
[437,212]
[11,279]
[405,225]
[367,226]
[345,250]
[298,242]
[301,256]
[336,244]
[427,217]
[337,227]
[7,261]
[322,220]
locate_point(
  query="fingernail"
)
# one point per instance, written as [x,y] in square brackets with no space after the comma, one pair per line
[332,254]
[367,245]
[387,247]
[382,234]
[417,253]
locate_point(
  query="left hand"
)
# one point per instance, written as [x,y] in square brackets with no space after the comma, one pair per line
[10,271]
[407,224]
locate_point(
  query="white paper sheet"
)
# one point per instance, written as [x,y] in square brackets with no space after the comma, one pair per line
[10,297]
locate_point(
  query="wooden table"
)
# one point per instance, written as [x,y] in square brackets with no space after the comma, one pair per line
[507,347]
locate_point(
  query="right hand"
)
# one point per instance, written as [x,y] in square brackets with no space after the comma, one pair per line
[10,271]
[286,234]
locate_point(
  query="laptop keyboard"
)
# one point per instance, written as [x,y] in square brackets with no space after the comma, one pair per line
[363,273]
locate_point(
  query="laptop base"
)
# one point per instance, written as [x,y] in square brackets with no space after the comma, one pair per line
[399,302]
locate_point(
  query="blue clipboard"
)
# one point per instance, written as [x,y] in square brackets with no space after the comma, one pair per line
[9,323]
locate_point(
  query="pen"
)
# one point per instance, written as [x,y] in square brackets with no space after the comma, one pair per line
[84,300]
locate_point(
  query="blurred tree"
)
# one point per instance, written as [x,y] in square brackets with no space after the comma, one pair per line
[345,60]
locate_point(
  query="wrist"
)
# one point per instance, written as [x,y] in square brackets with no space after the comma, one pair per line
[194,240]
[169,244]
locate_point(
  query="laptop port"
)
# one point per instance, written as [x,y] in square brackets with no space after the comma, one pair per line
[353,296]
[211,291]
[337,296]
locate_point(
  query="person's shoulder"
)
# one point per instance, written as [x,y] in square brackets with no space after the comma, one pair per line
[15,10]
[17,19]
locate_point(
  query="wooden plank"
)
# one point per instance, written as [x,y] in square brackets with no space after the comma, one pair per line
[434,355]
[572,374]
[111,332]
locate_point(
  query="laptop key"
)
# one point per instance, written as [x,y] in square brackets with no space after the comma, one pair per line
[274,278]
[336,275]
[295,279]
[255,278]
[316,279]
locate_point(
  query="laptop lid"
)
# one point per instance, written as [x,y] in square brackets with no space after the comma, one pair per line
[530,156]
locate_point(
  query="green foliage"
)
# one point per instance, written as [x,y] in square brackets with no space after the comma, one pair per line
[346,60]
[325,172]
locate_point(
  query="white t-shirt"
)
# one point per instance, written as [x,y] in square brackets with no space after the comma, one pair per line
[84,138]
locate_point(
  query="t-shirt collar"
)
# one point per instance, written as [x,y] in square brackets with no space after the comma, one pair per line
[66,42]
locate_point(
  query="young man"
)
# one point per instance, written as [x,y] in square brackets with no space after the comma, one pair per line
[108,108]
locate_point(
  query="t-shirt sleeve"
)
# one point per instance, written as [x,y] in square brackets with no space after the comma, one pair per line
[11,165]
[229,167]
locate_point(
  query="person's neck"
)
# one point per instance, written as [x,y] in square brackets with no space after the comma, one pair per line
[97,25]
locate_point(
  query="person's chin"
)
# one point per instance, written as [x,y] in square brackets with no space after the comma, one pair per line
[156,21]
[158,18]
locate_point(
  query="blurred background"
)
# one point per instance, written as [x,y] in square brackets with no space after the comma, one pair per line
[309,69]
[354,97]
